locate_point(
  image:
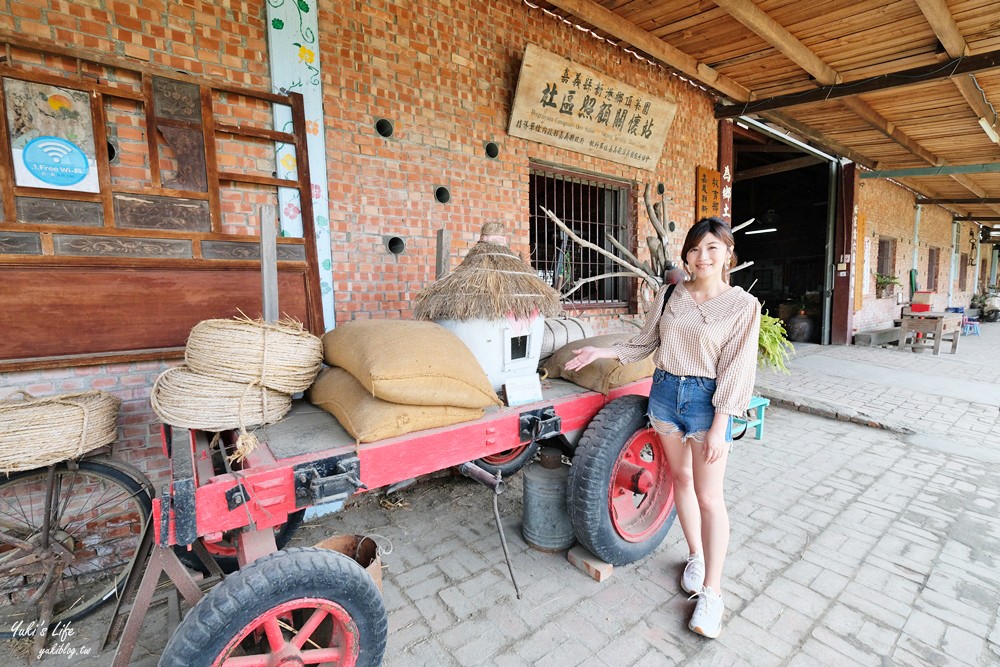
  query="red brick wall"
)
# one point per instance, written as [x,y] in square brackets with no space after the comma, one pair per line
[444,73]
[889,212]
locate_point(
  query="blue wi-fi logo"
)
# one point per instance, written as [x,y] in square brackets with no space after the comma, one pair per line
[55,161]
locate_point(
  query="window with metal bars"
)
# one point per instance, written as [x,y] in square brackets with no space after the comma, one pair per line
[932,268]
[593,208]
[963,272]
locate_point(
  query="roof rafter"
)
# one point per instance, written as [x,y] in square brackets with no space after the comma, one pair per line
[754,18]
[609,22]
[943,23]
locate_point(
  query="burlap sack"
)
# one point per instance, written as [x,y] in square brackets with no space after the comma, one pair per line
[602,375]
[409,362]
[368,418]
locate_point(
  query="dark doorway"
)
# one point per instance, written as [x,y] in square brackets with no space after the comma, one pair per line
[787,191]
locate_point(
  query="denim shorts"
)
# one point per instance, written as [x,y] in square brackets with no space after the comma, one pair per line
[683,403]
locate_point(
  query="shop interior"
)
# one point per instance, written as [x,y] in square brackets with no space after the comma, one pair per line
[786,191]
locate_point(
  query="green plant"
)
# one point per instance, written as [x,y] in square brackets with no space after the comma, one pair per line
[884,280]
[773,348]
[978,300]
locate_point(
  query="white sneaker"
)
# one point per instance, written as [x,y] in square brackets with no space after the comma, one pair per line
[707,617]
[694,574]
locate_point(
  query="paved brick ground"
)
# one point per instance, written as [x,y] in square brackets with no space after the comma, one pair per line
[851,544]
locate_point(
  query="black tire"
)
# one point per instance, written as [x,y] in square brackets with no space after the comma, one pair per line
[991,316]
[613,434]
[509,462]
[272,583]
[229,563]
[99,506]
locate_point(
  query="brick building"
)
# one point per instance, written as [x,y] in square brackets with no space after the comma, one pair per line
[443,76]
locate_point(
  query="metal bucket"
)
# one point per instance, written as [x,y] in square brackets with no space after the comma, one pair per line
[363,549]
[545,522]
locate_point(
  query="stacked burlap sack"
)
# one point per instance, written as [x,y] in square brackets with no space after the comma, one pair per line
[602,375]
[238,373]
[391,377]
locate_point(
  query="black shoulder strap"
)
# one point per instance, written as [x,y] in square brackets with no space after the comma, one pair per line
[670,290]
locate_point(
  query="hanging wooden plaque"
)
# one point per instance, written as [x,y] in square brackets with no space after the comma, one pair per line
[561,103]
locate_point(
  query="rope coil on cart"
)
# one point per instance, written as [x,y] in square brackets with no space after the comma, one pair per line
[282,356]
[36,432]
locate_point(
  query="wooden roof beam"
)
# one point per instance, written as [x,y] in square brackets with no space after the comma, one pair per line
[777,168]
[607,21]
[772,32]
[934,171]
[751,16]
[958,200]
[943,23]
[909,77]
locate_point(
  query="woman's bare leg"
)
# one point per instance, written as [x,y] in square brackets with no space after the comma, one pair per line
[709,482]
[680,460]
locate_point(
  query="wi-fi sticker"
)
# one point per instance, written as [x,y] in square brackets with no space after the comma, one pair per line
[56,151]
[55,161]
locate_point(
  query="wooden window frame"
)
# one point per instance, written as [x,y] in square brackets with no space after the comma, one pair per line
[161,297]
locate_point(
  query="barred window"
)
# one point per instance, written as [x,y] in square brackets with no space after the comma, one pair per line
[886,256]
[933,255]
[963,272]
[593,208]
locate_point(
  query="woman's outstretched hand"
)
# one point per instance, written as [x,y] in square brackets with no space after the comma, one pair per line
[587,354]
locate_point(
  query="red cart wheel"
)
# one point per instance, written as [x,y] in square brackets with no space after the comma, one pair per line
[223,552]
[641,493]
[302,606]
[508,461]
[620,495]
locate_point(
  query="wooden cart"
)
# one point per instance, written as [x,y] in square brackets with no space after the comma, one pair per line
[319,606]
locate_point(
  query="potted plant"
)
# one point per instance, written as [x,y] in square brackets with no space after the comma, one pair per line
[773,347]
[883,284]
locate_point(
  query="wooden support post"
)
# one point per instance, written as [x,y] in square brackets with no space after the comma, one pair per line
[442,264]
[269,262]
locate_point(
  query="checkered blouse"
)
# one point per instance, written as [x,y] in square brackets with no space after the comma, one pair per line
[716,339]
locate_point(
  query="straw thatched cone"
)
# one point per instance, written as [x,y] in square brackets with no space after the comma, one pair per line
[496,304]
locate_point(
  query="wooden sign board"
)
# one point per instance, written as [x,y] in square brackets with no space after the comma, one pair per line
[708,193]
[563,104]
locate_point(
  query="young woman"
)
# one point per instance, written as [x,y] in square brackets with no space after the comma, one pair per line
[705,340]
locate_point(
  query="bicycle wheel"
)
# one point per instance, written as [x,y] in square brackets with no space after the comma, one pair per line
[98,513]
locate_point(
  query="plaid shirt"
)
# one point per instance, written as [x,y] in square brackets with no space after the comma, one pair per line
[715,339]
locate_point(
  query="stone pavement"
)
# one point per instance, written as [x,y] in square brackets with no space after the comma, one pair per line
[853,544]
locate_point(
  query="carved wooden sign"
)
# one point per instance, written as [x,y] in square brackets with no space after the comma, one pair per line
[561,103]
[708,193]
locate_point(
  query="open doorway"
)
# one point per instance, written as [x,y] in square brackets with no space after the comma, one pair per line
[787,191]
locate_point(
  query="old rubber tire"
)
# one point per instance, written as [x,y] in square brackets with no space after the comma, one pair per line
[509,461]
[224,551]
[616,523]
[991,316]
[273,597]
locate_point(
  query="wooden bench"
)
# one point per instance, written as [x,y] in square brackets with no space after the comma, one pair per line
[876,337]
[757,405]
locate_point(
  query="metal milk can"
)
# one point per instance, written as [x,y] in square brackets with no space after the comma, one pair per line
[545,521]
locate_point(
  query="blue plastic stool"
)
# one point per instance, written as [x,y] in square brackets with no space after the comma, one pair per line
[970,327]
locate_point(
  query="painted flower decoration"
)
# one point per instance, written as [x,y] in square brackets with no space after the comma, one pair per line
[312,127]
[291,211]
[288,161]
[317,191]
[306,55]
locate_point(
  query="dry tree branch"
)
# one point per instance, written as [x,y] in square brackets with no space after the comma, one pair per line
[577,285]
[653,218]
[650,280]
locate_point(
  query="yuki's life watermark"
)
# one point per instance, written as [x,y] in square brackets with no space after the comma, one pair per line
[59,638]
